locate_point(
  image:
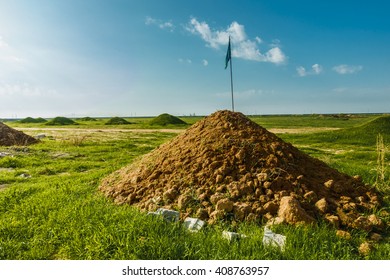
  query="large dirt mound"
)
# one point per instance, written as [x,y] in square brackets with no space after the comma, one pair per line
[228,167]
[11,137]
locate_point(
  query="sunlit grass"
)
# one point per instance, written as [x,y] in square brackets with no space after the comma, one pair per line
[58,212]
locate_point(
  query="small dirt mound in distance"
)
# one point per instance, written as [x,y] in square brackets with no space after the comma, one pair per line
[32,120]
[167,119]
[61,121]
[117,120]
[226,167]
[88,119]
[13,137]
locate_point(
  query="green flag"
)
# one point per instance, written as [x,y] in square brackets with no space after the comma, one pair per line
[228,55]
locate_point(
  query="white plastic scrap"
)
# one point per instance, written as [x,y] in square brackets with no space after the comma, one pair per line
[231,236]
[168,215]
[5,154]
[273,239]
[40,136]
[193,224]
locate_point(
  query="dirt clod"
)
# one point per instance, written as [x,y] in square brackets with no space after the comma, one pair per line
[343,234]
[365,248]
[292,213]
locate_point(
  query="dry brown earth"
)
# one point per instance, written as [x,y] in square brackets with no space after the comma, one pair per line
[226,167]
[11,137]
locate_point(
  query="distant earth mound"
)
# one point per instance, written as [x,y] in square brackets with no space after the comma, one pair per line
[32,120]
[61,121]
[88,119]
[166,119]
[117,120]
[378,125]
[366,133]
[226,167]
[11,137]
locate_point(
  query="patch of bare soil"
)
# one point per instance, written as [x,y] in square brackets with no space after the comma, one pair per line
[226,167]
[13,137]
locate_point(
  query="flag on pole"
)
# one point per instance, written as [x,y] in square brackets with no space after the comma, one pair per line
[228,55]
[227,59]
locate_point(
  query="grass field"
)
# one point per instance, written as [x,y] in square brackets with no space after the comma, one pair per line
[50,207]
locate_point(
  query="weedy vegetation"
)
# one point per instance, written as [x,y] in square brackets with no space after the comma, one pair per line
[50,206]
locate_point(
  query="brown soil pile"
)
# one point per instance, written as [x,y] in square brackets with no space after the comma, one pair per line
[11,137]
[228,167]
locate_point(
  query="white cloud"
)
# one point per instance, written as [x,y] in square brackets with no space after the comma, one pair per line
[205,62]
[275,55]
[11,58]
[340,89]
[347,69]
[316,69]
[25,90]
[166,25]
[214,39]
[301,71]
[246,50]
[250,93]
[246,94]
[275,43]
[2,42]
[150,21]
[242,47]
[237,31]
[9,55]
[185,60]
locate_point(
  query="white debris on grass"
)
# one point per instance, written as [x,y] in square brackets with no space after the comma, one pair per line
[273,239]
[232,236]
[40,136]
[5,154]
[6,169]
[168,215]
[193,224]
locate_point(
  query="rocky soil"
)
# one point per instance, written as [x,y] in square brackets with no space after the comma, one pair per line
[226,167]
[11,137]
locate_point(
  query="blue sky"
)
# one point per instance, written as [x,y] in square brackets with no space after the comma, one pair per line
[144,58]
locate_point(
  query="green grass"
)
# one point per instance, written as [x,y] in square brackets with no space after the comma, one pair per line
[32,120]
[314,120]
[58,213]
[117,120]
[166,119]
[100,123]
[361,134]
[267,121]
[61,121]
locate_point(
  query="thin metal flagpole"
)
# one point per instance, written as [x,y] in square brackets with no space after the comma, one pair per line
[231,75]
